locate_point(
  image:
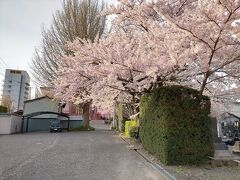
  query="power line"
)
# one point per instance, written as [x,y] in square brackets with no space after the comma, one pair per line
[2,66]
[2,70]
[2,73]
[3,63]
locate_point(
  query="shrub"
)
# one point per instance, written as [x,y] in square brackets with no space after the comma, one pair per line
[133,132]
[175,125]
[3,109]
[128,126]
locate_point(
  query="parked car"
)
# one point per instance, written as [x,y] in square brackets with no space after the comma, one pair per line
[107,121]
[55,127]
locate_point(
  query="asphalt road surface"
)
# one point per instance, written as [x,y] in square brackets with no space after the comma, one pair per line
[95,155]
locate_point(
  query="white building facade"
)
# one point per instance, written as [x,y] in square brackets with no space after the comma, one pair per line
[16,87]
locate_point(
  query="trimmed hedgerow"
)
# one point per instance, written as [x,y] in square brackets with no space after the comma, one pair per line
[3,109]
[121,120]
[121,117]
[175,125]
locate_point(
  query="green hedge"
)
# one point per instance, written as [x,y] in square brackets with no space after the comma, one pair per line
[3,109]
[175,125]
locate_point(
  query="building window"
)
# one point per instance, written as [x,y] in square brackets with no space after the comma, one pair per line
[10,81]
[15,72]
[9,86]
[9,91]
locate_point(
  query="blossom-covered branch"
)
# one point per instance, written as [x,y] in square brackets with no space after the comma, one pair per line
[189,42]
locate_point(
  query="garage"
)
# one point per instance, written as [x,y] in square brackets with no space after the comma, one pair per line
[31,124]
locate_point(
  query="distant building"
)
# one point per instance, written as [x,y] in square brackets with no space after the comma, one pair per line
[43,121]
[235,110]
[17,87]
[229,122]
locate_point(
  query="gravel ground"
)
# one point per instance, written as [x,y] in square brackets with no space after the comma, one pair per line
[95,155]
[203,172]
[207,173]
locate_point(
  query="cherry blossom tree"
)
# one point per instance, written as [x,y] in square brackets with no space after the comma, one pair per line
[107,70]
[212,38]
[188,42]
[202,31]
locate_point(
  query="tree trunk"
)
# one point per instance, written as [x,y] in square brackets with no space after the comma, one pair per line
[204,83]
[85,115]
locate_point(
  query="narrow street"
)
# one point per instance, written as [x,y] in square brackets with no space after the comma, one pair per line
[95,155]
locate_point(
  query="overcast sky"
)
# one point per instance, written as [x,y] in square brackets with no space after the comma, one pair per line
[20,29]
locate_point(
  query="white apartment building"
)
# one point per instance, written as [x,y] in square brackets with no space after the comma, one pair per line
[17,87]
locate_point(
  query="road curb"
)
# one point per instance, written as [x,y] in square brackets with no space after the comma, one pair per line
[157,166]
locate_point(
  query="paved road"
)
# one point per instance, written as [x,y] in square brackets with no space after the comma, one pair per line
[96,155]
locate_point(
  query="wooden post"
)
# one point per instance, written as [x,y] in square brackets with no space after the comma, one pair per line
[22,124]
[68,123]
[27,124]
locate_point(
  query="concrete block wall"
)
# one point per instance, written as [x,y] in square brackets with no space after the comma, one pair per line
[10,124]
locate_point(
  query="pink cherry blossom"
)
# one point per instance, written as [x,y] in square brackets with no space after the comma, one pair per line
[154,43]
